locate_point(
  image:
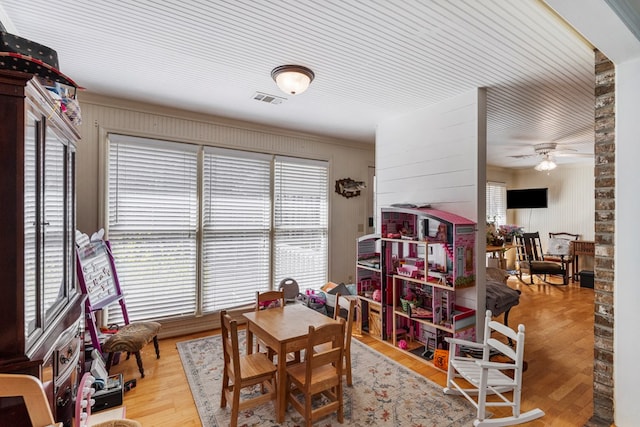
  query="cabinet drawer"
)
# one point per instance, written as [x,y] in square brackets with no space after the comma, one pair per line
[67,354]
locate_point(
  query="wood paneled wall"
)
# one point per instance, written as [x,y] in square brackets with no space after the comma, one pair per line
[571,200]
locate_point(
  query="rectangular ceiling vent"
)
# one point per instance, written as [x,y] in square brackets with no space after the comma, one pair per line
[269,99]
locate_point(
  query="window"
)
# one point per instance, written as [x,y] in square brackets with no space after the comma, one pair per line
[236,225]
[301,221]
[198,229]
[152,225]
[497,202]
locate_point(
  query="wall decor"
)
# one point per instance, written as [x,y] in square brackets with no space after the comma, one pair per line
[347,187]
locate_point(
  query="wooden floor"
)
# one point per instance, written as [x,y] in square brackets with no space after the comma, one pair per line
[558,350]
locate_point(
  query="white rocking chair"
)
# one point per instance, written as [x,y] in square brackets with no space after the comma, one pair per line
[486,378]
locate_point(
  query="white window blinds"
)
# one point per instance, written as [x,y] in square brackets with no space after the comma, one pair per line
[236,225]
[301,221]
[497,202]
[152,225]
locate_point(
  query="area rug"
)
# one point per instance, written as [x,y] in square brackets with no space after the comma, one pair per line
[384,393]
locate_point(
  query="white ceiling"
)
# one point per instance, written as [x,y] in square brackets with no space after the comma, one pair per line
[373,59]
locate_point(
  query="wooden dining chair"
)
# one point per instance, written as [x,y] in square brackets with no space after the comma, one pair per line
[32,392]
[269,299]
[242,371]
[320,373]
[345,308]
[349,305]
[264,301]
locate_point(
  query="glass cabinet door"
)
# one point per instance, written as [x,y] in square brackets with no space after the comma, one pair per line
[32,318]
[54,250]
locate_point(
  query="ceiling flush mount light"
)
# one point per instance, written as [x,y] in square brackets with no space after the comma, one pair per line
[292,79]
[546,164]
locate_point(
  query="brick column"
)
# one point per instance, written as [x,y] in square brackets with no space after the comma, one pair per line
[603,408]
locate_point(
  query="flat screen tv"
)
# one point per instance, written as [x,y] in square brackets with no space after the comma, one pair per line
[527,198]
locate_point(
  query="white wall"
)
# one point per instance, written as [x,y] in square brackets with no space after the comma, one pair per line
[499,174]
[571,202]
[346,159]
[627,291]
[437,155]
[571,199]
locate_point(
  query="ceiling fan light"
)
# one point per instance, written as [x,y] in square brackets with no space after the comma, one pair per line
[292,79]
[546,164]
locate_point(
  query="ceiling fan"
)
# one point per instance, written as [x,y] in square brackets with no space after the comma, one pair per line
[548,151]
[552,149]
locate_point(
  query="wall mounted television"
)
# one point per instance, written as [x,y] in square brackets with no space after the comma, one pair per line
[527,198]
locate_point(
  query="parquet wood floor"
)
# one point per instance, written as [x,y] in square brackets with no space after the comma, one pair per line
[558,349]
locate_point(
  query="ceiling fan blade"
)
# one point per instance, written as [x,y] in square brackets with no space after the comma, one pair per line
[571,154]
[523,156]
[563,149]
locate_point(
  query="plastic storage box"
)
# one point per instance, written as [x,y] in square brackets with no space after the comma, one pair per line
[110,396]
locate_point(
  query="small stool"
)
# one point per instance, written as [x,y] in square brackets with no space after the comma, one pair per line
[131,338]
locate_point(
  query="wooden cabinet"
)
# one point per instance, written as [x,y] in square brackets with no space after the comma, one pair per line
[41,310]
[425,258]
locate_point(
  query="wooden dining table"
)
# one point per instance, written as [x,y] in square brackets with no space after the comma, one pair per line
[284,329]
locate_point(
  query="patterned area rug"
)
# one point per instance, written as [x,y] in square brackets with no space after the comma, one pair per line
[384,393]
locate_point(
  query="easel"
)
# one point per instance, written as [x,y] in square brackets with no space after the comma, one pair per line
[98,280]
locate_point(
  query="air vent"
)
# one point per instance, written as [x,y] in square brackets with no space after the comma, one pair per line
[269,99]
